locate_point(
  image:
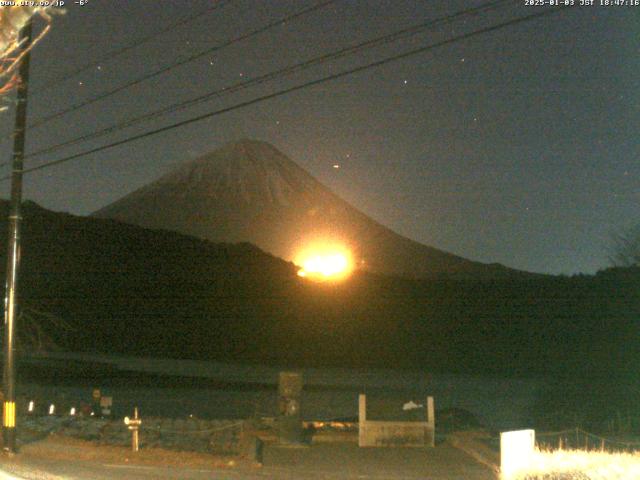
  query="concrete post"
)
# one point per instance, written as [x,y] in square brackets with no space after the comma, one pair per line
[431,420]
[133,424]
[362,419]
[362,408]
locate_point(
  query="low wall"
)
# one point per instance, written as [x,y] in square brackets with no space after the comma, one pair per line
[380,433]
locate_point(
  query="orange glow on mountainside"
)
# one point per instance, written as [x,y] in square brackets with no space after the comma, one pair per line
[324,262]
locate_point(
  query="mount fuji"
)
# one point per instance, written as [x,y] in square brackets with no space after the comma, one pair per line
[249,191]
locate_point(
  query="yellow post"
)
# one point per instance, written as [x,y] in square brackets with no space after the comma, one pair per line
[9,415]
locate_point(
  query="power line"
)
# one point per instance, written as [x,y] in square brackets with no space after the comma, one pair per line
[120,51]
[383,40]
[41,121]
[311,83]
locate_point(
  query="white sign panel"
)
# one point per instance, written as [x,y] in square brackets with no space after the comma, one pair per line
[516,451]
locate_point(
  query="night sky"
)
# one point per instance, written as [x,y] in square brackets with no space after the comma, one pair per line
[519,146]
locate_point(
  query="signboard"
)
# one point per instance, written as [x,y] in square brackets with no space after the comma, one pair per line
[290,384]
[105,405]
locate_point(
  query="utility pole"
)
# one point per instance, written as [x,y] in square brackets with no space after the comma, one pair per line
[13,247]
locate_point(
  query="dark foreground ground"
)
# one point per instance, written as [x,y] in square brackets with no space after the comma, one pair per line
[57,458]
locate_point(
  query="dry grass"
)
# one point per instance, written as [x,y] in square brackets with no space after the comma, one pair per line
[581,465]
[58,447]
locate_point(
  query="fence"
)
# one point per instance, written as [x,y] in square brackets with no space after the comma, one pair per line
[578,439]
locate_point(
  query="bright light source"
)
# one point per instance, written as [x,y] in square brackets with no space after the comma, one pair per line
[52,409]
[326,265]
[31,406]
[324,261]
[72,412]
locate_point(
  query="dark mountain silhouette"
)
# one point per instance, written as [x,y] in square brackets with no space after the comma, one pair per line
[124,289]
[250,192]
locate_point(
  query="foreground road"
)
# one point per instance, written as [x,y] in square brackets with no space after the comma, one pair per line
[56,459]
